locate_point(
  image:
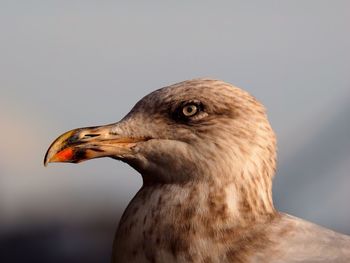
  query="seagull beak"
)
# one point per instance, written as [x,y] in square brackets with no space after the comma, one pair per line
[87,143]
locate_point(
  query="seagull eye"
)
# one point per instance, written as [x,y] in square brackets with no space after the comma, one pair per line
[189,110]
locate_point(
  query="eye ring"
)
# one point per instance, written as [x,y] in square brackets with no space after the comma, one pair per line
[190,110]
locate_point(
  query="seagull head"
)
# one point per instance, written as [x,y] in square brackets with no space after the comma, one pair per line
[200,129]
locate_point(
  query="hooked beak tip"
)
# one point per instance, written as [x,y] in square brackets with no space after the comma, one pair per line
[61,156]
[58,150]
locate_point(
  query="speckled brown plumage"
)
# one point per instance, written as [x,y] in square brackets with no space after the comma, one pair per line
[207,191]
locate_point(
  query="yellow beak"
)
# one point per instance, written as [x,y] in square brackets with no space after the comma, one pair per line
[93,142]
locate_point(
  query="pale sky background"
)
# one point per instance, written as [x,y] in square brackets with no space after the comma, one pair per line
[67,64]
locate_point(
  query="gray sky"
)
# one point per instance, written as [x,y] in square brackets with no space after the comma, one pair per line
[66,64]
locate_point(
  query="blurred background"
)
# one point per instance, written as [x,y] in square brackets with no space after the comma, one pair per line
[67,64]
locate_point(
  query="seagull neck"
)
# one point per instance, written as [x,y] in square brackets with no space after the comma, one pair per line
[234,202]
[241,201]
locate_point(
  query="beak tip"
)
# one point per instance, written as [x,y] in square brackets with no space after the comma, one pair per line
[57,152]
[46,159]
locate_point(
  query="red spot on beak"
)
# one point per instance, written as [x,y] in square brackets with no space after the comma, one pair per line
[64,155]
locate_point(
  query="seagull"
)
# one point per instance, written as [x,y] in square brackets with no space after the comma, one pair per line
[207,156]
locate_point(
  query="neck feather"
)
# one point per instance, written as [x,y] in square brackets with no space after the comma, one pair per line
[241,201]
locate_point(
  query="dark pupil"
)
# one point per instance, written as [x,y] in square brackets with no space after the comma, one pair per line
[189,109]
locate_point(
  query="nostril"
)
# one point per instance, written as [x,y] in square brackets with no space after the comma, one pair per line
[90,135]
